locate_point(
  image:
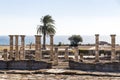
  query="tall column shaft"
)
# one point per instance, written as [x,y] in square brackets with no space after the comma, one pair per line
[16,48]
[97,48]
[113,54]
[11,46]
[51,47]
[38,53]
[22,52]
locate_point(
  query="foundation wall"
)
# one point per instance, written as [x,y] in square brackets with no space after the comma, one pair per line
[107,67]
[24,65]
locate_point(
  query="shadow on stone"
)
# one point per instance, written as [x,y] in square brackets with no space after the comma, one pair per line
[102,67]
[24,65]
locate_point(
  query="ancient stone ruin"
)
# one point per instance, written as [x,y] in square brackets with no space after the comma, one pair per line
[15,57]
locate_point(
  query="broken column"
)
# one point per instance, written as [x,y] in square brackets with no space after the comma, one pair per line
[11,47]
[51,47]
[22,48]
[76,53]
[38,52]
[56,56]
[5,54]
[66,54]
[97,48]
[16,48]
[81,57]
[113,54]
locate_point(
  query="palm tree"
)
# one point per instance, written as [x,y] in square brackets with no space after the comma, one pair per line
[46,28]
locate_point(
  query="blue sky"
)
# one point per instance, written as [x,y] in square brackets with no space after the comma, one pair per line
[84,17]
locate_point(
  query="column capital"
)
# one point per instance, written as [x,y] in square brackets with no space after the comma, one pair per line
[16,35]
[51,35]
[38,35]
[22,35]
[96,34]
[11,35]
[113,35]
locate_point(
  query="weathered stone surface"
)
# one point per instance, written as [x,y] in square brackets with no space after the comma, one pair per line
[11,46]
[97,48]
[16,48]
[38,54]
[113,54]
[22,52]
[51,47]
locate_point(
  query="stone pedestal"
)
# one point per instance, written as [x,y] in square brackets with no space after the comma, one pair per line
[97,48]
[66,54]
[11,47]
[16,48]
[113,54]
[51,47]
[76,53]
[38,53]
[22,49]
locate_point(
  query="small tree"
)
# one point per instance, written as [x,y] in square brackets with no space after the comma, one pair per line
[75,39]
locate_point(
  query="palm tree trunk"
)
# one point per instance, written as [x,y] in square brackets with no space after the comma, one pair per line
[44,41]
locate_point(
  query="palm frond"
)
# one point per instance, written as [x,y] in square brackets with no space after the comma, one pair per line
[40,29]
[47,19]
[51,31]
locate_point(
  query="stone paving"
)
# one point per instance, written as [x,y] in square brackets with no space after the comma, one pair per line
[52,77]
[56,74]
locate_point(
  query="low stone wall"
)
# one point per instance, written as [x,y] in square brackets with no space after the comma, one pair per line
[107,67]
[24,65]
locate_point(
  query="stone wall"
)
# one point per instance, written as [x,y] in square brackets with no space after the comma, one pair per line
[24,65]
[107,67]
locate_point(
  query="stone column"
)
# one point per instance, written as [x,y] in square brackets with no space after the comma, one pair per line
[5,54]
[113,54]
[56,57]
[51,47]
[81,57]
[11,47]
[38,52]
[16,48]
[22,49]
[76,54]
[97,48]
[66,54]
